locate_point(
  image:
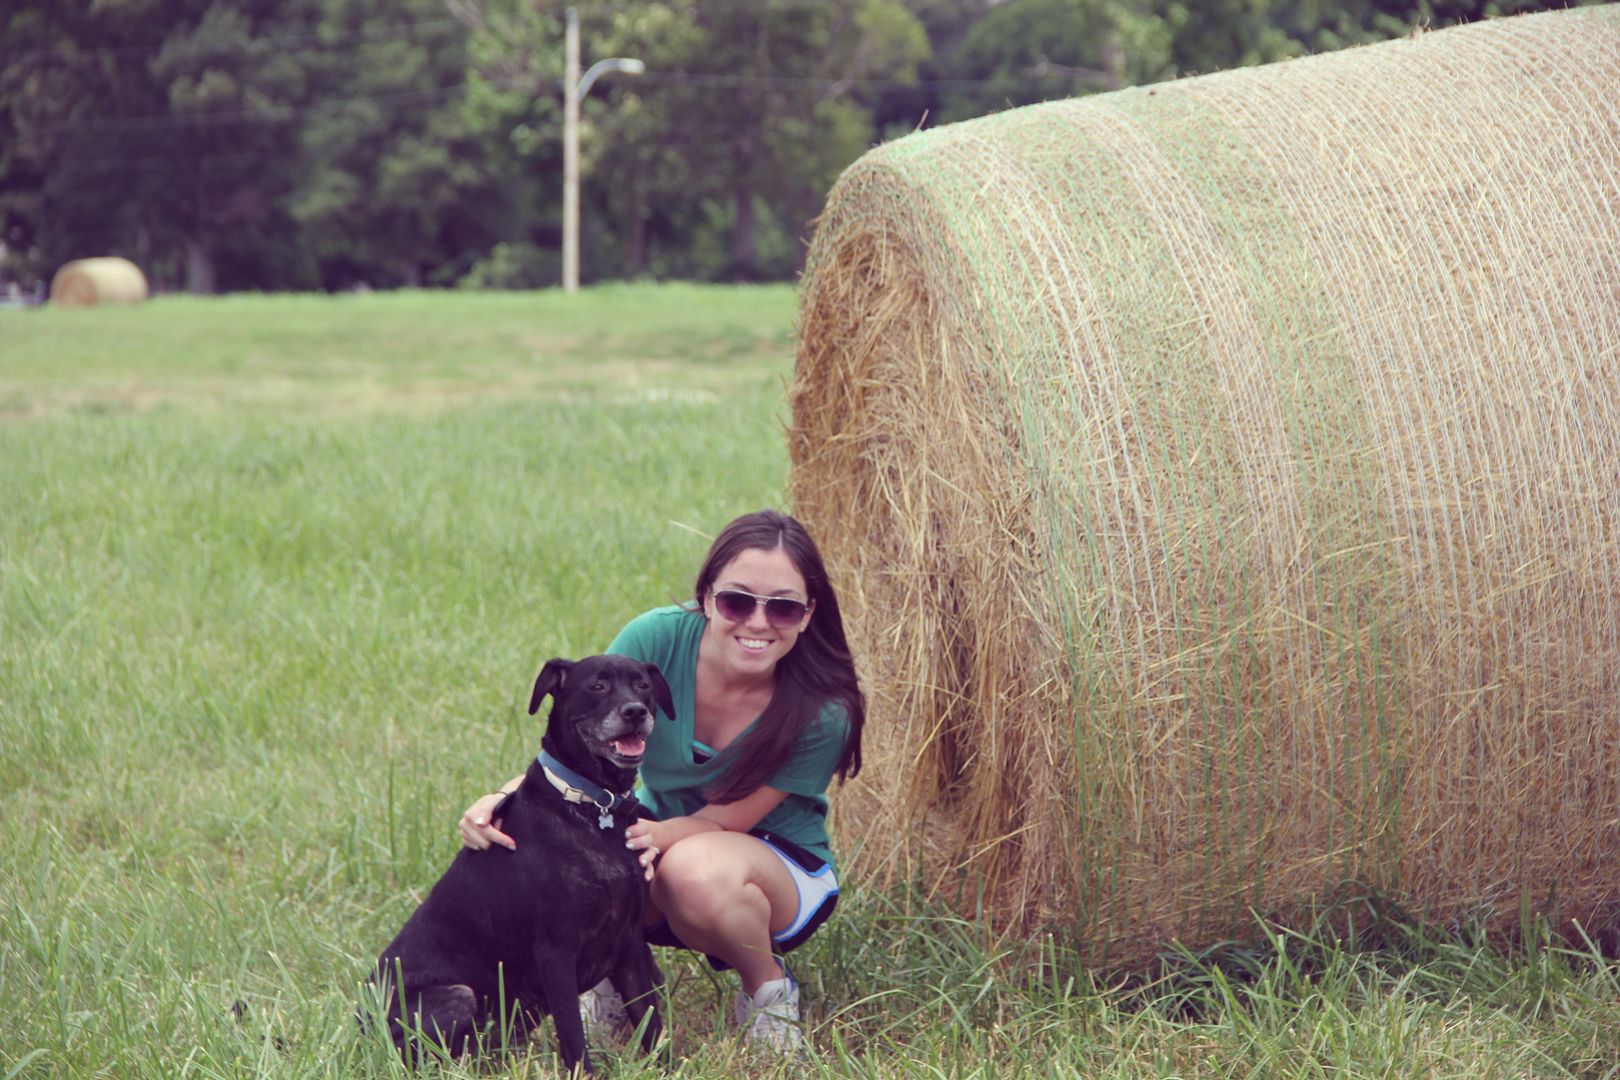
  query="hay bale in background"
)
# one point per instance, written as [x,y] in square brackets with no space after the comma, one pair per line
[88,282]
[1224,480]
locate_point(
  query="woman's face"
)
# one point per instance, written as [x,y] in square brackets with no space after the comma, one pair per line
[753,645]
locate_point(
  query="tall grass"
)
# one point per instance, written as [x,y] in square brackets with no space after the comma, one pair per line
[275,576]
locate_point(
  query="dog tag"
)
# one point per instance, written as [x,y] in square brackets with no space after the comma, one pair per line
[605,819]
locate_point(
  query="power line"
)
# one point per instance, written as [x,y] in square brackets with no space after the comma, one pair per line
[258,114]
[394,32]
[825,82]
[440,94]
[390,32]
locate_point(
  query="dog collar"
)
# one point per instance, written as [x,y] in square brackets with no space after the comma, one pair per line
[576,789]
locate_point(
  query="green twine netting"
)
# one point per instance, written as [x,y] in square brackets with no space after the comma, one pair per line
[1224,480]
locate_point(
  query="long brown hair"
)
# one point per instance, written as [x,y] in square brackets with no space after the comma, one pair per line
[817,670]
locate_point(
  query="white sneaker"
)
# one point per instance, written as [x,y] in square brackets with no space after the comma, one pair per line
[602,1011]
[771,1016]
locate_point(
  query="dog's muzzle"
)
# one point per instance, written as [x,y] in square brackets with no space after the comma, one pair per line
[629,746]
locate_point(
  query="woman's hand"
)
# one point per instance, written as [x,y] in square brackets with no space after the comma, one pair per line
[652,838]
[480,828]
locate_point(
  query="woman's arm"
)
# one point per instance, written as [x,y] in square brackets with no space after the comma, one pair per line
[653,838]
[745,813]
[480,827]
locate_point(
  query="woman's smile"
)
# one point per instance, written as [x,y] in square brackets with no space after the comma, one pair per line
[763,575]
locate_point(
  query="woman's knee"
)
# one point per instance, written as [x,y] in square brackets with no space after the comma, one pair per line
[684,868]
[693,876]
[718,877]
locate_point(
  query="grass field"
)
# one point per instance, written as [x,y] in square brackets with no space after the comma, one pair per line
[275,577]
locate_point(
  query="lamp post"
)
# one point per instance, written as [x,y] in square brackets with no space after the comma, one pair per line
[575,88]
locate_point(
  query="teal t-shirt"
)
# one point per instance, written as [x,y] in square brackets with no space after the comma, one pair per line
[673,779]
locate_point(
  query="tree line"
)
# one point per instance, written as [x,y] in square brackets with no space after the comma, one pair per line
[330,144]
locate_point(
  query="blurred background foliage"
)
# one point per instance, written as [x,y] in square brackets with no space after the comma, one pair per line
[333,144]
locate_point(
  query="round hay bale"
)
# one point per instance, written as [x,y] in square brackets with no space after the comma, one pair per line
[1224,480]
[88,282]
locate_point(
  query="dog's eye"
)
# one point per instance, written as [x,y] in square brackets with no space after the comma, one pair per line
[598,687]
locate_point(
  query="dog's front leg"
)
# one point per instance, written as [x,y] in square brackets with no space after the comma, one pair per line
[640,983]
[559,983]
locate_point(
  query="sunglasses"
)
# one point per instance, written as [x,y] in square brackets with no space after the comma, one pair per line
[780,611]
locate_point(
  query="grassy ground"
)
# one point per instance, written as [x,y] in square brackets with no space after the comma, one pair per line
[275,577]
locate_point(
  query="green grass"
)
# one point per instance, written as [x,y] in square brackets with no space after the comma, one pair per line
[275,577]
[398,351]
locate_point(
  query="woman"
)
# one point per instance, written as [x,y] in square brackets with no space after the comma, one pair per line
[767,711]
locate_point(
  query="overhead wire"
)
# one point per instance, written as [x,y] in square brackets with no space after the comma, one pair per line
[326,38]
[433,95]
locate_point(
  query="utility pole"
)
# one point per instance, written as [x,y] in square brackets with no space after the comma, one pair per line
[571,154]
[575,88]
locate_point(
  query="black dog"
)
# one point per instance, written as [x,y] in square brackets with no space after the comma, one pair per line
[527,931]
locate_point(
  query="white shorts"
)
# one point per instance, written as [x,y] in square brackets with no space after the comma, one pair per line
[816,894]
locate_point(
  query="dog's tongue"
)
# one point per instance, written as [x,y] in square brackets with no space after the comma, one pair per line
[630,746]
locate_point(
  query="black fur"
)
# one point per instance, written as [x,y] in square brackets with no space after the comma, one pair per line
[535,927]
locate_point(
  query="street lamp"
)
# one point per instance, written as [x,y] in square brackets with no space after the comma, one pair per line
[574,90]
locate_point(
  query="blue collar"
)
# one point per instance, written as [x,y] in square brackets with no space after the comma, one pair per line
[575,788]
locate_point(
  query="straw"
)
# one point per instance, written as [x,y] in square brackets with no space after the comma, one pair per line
[1224,478]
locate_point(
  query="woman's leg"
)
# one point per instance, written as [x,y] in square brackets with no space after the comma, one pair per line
[724,893]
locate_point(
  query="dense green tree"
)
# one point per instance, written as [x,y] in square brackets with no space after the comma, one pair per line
[1024,51]
[774,121]
[512,109]
[161,129]
[393,187]
[226,153]
[244,143]
[71,80]
[713,162]
[1213,35]
[646,145]
[901,106]
[302,143]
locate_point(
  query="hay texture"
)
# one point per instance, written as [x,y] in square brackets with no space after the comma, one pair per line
[1223,478]
[89,282]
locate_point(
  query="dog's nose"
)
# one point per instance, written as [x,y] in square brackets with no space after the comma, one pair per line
[634,711]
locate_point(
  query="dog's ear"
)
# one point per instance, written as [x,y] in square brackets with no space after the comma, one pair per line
[552,677]
[661,694]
